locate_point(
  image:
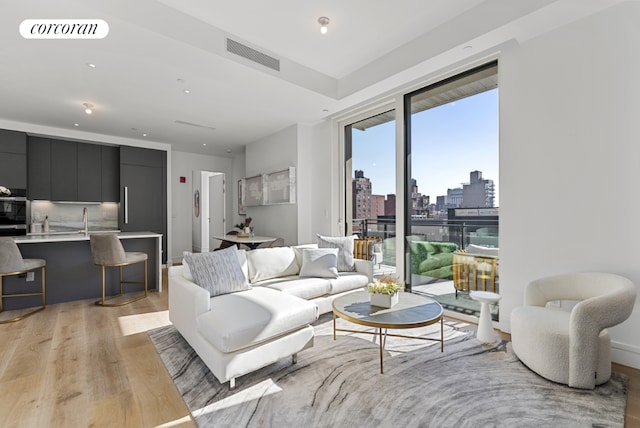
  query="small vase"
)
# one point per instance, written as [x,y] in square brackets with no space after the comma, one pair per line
[384,300]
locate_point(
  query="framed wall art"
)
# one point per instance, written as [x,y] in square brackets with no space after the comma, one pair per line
[241,207]
[253,191]
[281,187]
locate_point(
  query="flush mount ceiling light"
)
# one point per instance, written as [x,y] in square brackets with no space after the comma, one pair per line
[323,21]
[88,108]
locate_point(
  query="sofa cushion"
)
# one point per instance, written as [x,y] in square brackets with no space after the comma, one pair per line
[305,288]
[344,244]
[186,272]
[218,272]
[266,263]
[348,281]
[319,262]
[434,247]
[481,250]
[253,316]
[436,261]
[298,249]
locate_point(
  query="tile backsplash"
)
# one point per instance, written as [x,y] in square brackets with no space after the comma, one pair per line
[65,215]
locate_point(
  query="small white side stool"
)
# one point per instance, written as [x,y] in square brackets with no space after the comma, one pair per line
[485,333]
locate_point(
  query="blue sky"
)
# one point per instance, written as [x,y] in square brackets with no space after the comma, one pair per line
[448,142]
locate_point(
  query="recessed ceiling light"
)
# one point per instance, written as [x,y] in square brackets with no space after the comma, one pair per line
[76,124]
[186,91]
[91,65]
[144,135]
[88,108]
[204,144]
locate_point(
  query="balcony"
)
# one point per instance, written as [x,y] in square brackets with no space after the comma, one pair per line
[433,243]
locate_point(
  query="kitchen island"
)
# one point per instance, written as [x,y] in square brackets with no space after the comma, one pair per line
[71,274]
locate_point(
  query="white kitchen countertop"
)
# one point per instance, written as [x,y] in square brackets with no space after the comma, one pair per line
[78,236]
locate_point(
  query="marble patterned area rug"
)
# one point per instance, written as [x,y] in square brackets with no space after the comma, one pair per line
[338,384]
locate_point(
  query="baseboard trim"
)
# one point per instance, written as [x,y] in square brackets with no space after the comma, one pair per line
[625,354]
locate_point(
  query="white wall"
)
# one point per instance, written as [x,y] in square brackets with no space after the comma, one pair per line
[570,159]
[183,164]
[274,153]
[307,147]
[324,172]
[315,171]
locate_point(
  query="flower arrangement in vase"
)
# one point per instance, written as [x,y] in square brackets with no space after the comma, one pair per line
[245,228]
[384,291]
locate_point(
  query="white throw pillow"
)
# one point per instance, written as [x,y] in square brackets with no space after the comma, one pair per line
[345,245]
[218,272]
[267,263]
[242,258]
[319,263]
[298,249]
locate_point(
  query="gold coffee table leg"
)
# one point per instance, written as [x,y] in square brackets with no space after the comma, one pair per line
[334,326]
[381,351]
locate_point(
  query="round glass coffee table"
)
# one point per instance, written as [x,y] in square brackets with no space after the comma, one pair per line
[411,311]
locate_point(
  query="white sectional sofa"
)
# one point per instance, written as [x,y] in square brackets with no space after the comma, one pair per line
[239,332]
[272,269]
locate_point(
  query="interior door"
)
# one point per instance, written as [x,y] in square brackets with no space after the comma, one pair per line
[216,209]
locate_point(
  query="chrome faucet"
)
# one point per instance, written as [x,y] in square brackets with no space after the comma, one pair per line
[85,220]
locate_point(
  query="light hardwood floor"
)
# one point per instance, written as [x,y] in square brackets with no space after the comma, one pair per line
[76,364]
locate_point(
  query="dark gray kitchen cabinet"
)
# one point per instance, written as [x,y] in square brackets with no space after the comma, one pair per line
[110,162]
[13,159]
[38,168]
[64,170]
[60,170]
[89,173]
[143,187]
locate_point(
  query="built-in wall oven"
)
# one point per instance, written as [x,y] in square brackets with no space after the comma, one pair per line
[13,212]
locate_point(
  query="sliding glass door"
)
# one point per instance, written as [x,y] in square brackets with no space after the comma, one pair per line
[370,187]
[451,196]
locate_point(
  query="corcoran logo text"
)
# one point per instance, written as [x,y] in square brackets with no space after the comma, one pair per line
[64,29]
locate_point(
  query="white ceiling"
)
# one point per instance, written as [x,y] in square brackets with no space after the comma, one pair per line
[372,47]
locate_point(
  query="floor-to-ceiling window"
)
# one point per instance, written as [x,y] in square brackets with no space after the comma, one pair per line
[451,131]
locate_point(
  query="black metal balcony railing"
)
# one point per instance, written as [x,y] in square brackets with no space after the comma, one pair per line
[460,232]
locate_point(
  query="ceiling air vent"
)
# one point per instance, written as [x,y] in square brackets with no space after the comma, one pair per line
[197,125]
[253,55]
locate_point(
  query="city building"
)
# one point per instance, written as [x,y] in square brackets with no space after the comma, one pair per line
[361,194]
[478,193]
[390,205]
[377,206]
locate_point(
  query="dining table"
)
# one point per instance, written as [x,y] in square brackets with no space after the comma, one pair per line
[250,241]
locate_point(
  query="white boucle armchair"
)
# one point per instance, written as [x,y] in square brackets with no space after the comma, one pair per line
[573,348]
